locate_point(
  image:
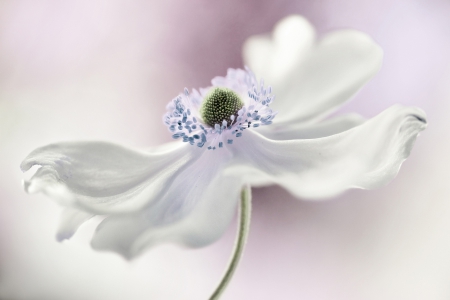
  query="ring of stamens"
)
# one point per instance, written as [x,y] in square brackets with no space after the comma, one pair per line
[220,116]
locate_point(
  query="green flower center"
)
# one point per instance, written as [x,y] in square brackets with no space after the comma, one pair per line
[220,104]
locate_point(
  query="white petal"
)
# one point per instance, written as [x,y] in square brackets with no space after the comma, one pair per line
[273,58]
[69,222]
[297,131]
[102,178]
[320,77]
[366,156]
[195,212]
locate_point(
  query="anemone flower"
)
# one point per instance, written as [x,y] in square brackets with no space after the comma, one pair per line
[230,136]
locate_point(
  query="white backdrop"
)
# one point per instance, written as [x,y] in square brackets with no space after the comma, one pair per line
[105,70]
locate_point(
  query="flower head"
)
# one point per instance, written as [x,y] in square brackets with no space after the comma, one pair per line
[217,115]
[183,193]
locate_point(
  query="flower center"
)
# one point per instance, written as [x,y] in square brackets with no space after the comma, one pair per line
[219,105]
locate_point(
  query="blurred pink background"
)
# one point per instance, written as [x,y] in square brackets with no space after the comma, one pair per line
[106,69]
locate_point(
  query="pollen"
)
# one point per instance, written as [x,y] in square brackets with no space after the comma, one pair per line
[221,104]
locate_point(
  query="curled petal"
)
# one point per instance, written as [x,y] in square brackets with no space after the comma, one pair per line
[297,131]
[104,178]
[321,76]
[69,222]
[366,156]
[195,212]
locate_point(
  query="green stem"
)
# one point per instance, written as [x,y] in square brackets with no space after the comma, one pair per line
[241,238]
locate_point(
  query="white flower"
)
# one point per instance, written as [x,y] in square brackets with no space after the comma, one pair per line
[186,191]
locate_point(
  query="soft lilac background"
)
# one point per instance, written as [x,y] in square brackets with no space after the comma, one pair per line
[106,69]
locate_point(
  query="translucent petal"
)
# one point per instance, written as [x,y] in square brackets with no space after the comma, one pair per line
[320,76]
[297,131]
[104,178]
[195,212]
[366,156]
[273,58]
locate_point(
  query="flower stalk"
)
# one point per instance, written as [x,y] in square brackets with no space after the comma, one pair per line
[241,239]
